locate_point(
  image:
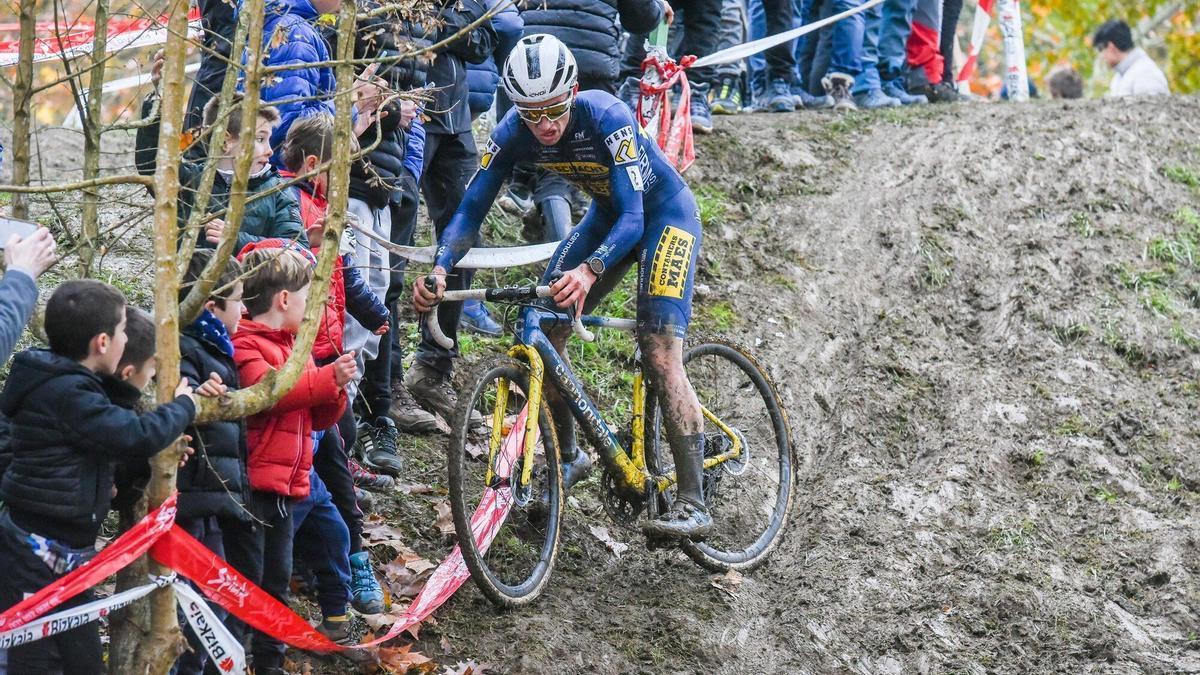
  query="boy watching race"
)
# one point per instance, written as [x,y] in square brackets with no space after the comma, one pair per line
[642,212]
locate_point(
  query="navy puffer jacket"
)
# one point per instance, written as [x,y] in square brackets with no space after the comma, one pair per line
[375,179]
[589,28]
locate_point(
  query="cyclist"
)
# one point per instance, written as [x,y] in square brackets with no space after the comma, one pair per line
[642,212]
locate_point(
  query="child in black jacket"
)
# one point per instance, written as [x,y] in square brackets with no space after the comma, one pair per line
[66,432]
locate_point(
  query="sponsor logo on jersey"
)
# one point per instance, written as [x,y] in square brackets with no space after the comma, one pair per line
[576,168]
[489,152]
[622,145]
[635,176]
[672,260]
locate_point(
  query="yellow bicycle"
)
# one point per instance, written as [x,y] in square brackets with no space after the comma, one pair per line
[748,477]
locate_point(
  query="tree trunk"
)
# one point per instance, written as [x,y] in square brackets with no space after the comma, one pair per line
[165,642]
[129,626]
[89,208]
[22,108]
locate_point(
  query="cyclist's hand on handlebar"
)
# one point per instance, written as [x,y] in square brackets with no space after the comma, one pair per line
[572,288]
[425,300]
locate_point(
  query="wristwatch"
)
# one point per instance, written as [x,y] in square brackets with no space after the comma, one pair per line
[596,265]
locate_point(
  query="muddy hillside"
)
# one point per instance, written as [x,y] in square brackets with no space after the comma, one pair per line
[985,321]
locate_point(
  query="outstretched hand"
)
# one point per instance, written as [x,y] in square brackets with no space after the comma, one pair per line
[572,288]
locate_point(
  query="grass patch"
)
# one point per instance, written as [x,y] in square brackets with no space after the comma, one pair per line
[1137,280]
[1105,495]
[5,198]
[1075,425]
[713,204]
[937,262]
[718,316]
[1159,302]
[1018,536]
[1132,352]
[606,366]
[1184,338]
[1069,333]
[1036,458]
[1183,175]
[1081,224]
[1187,218]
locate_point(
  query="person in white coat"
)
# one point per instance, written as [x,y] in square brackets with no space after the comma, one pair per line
[1135,73]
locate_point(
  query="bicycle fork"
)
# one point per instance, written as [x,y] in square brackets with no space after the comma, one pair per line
[533,399]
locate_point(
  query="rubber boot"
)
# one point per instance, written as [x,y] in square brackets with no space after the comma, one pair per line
[688,517]
[556,218]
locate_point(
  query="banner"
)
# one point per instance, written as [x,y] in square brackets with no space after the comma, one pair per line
[76,39]
[225,651]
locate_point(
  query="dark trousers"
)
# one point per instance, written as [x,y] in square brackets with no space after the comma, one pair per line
[207,531]
[262,552]
[404,228]
[951,9]
[332,462]
[322,541]
[74,651]
[701,32]
[450,161]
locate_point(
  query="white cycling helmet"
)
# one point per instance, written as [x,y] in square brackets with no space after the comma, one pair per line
[540,67]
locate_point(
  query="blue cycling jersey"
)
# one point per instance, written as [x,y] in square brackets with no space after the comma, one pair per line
[602,151]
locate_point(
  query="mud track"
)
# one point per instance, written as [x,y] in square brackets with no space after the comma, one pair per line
[996,425]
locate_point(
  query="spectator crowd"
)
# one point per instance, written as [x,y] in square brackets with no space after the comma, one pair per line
[281,495]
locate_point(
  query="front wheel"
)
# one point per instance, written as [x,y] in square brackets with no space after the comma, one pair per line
[750,496]
[514,569]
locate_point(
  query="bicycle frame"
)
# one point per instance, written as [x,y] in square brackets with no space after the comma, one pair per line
[628,467]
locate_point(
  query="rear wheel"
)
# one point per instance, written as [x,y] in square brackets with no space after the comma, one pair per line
[514,569]
[749,497]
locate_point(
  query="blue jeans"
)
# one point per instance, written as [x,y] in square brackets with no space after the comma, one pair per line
[868,79]
[894,27]
[321,539]
[847,40]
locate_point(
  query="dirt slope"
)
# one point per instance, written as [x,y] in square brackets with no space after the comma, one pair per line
[992,388]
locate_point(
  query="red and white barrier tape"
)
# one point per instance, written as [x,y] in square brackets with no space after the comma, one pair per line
[983,17]
[77,41]
[175,548]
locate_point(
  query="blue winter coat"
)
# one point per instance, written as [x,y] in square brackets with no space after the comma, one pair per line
[290,38]
[589,28]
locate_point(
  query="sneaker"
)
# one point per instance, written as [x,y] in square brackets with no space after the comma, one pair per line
[838,85]
[778,97]
[700,112]
[410,417]
[433,391]
[366,596]
[369,480]
[476,318]
[366,503]
[726,98]
[384,455]
[685,520]
[808,101]
[874,99]
[516,200]
[337,628]
[943,92]
[895,89]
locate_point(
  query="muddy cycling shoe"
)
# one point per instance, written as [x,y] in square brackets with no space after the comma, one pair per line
[573,471]
[685,520]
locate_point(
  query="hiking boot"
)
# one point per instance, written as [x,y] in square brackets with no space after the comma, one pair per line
[838,85]
[383,455]
[433,391]
[366,596]
[516,200]
[943,92]
[726,99]
[476,318]
[895,89]
[874,99]
[410,417]
[809,102]
[685,520]
[369,480]
[778,97]
[366,503]
[699,110]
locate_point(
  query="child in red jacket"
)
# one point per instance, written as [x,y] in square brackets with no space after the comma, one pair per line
[280,439]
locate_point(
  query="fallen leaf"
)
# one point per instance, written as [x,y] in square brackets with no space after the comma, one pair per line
[602,533]
[380,622]
[445,645]
[402,660]
[406,574]
[727,582]
[377,532]
[420,565]
[477,449]
[468,668]
[420,489]
[445,517]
